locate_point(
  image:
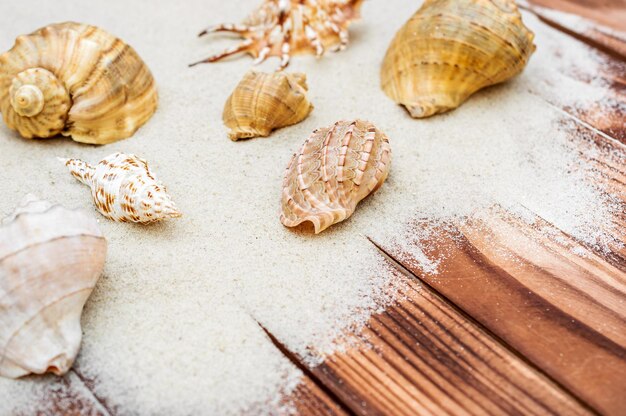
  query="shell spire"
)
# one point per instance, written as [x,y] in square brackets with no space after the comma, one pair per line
[50,261]
[282,28]
[335,169]
[76,80]
[124,189]
[263,102]
[449,49]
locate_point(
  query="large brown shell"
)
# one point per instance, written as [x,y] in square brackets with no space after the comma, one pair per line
[76,80]
[264,102]
[334,170]
[282,28]
[450,49]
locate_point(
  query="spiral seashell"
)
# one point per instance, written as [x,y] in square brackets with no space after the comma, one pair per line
[285,27]
[76,80]
[264,102]
[334,170]
[450,49]
[124,189]
[50,261]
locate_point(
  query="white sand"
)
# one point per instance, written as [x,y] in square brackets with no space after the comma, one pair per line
[172,326]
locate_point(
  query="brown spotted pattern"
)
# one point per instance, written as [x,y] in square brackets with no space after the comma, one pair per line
[124,189]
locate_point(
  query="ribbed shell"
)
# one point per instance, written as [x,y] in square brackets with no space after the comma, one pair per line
[50,261]
[76,80]
[124,189]
[282,28]
[334,170]
[450,49]
[263,102]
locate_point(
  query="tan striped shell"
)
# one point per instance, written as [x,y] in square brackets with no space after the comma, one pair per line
[50,260]
[76,80]
[334,170]
[124,189]
[263,102]
[450,49]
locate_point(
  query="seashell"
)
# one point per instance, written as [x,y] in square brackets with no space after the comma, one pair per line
[124,189]
[334,170]
[264,102]
[50,260]
[284,27]
[76,80]
[450,49]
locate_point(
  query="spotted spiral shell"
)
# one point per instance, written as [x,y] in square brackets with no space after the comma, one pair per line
[334,170]
[124,189]
[76,80]
[449,49]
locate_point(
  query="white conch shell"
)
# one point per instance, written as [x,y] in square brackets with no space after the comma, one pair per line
[76,80]
[50,261]
[334,170]
[124,189]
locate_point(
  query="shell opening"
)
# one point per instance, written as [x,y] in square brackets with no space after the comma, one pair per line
[28,101]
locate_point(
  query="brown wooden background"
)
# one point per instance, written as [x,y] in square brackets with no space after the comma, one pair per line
[529,328]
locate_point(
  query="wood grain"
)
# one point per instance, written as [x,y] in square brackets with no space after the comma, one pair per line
[422,356]
[563,312]
[308,399]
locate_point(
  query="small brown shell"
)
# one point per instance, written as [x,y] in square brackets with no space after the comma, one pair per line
[76,80]
[334,170]
[263,102]
[450,49]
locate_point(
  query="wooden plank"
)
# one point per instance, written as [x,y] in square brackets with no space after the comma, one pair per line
[563,312]
[608,115]
[308,399]
[422,356]
[68,396]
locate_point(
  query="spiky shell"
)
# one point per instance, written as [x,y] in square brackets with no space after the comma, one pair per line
[334,170]
[282,28]
[124,189]
[263,102]
[450,49]
[50,261]
[76,80]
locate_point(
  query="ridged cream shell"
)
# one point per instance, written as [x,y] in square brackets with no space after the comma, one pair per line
[50,261]
[450,49]
[76,80]
[334,170]
[282,28]
[124,189]
[263,102]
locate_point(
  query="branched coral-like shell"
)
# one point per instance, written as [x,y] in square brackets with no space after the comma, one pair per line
[264,102]
[334,170]
[76,80]
[450,49]
[285,27]
[50,261]
[124,189]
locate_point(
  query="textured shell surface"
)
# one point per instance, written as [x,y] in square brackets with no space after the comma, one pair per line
[334,170]
[284,27]
[50,260]
[450,49]
[76,80]
[124,189]
[263,102]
